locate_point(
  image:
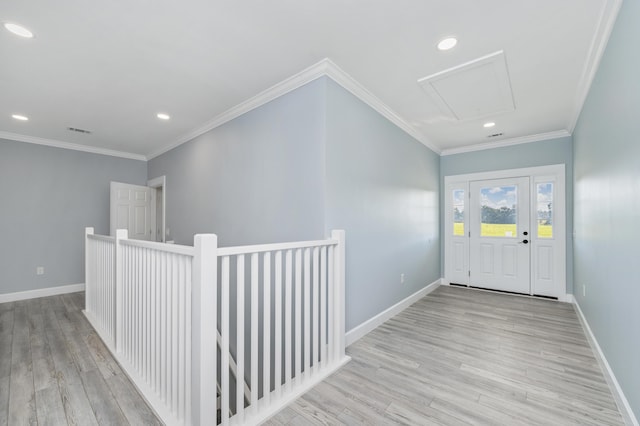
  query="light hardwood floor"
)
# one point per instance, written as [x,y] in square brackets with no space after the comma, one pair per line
[461,356]
[456,357]
[55,370]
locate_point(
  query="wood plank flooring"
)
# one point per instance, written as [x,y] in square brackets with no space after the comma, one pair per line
[462,356]
[55,370]
[455,357]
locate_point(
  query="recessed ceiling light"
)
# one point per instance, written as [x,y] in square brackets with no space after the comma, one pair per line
[18,30]
[489,124]
[163,116]
[20,117]
[447,43]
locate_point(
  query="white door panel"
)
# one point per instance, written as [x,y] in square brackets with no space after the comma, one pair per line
[459,258]
[548,249]
[457,229]
[499,234]
[133,208]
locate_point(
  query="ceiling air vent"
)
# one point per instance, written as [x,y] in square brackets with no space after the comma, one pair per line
[495,135]
[75,129]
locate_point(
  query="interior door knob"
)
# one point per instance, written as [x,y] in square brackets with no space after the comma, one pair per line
[525,241]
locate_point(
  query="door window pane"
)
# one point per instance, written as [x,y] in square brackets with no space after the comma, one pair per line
[545,209]
[498,210]
[458,212]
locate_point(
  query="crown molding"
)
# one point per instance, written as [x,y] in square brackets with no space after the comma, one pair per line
[608,15]
[359,91]
[68,145]
[323,68]
[303,77]
[507,142]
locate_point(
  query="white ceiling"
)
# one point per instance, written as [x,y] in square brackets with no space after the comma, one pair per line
[110,66]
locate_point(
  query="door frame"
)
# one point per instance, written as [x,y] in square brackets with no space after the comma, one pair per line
[161,182]
[556,286]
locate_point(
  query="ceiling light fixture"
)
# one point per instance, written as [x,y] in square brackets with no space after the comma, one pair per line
[18,30]
[163,116]
[20,117]
[447,43]
[489,124]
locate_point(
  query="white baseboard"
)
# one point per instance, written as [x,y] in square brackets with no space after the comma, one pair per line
[361,330]
[567,298]
[41,292]
[618,395]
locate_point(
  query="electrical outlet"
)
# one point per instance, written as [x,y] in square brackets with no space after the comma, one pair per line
[401,278]
[584,290]
[40,270]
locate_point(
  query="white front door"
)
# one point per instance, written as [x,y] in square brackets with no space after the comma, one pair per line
[489,251]
[499,239]
[133,208]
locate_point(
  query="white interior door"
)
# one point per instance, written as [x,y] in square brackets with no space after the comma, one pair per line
[499,239]
[133,208]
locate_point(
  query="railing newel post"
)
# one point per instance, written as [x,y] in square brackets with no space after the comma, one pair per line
[339,293]
[204,316]
[87,268]
[121,234]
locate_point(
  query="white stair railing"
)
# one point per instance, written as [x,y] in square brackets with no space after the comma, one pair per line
[233,370]
[156,308]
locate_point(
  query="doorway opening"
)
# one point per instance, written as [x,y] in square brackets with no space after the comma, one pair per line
[160,184]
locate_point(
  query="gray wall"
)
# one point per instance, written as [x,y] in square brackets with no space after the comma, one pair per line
[533,154]
[310,161]
[382,188]
[256,179]
[49,195]
[607,202]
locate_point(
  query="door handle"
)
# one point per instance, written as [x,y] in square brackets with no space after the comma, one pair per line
[524,242]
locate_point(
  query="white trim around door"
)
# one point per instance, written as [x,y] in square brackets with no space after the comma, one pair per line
[160,184]
[546,254]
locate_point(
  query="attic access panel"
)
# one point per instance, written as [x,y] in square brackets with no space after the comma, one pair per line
[473,90]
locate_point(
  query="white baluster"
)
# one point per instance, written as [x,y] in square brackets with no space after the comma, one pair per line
[189,342]
[266,322]
[182,338]
[287,319]
[155,320]
[298,320]
[255,389]
[323,306]
[240,339]
[224,344]
[174,334]
[307,313]
[316,308]
[277,377]
[331,308]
